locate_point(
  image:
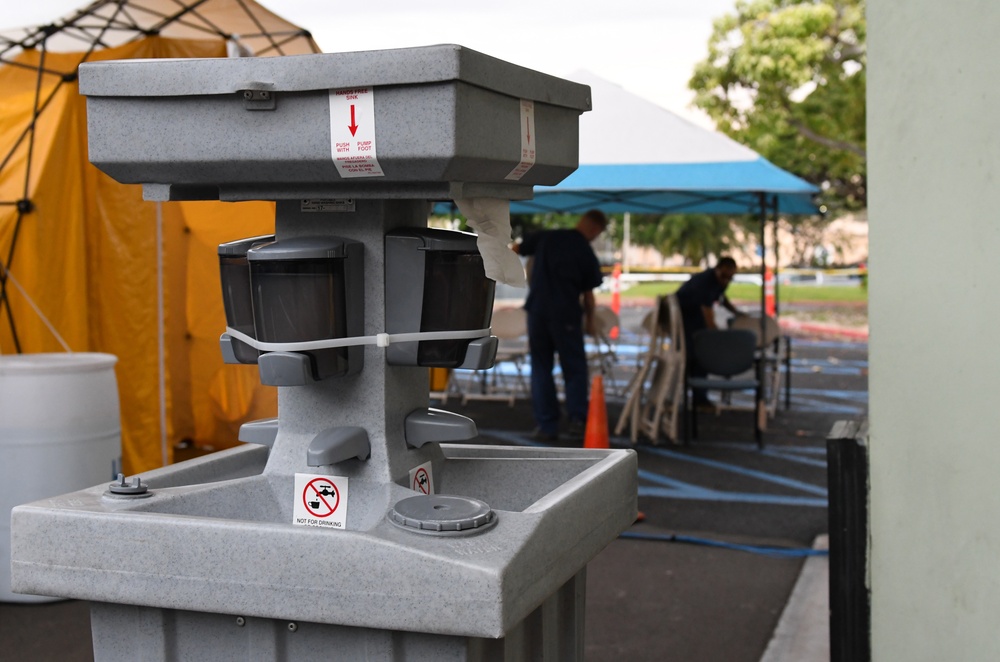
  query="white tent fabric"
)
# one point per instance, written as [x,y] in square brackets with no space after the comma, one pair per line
[638,157]
[626,129]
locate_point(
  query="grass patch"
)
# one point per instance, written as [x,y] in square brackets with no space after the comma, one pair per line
[748,292]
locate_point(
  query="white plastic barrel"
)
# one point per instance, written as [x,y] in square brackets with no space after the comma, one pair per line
[60,431]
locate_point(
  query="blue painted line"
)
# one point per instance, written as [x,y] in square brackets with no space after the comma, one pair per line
[789,457]
[818,406]
[856,404]
[808,450]
[514,438]
[781,452]
[806,360]
[828,399]
[748,446]
[763,550]
[834,411]
[733,468]
[736,497]
[851,396]
[679,485]
[828,370]
[860,346]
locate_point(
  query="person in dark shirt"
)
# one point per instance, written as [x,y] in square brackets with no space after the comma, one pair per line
[697,298]
[560,308]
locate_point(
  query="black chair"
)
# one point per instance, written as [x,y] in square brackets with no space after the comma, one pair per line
[724,354]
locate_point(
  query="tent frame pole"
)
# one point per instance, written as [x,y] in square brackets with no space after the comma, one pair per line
[23,205]
[760,411]
[777,265]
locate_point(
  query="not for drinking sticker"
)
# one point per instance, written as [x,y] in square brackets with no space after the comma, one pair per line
[320,501]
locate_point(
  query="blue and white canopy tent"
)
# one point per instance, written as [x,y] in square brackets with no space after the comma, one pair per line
[637,157]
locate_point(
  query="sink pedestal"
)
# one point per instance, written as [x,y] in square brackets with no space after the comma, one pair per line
[553,631]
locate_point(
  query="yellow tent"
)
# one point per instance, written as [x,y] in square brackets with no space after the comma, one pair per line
[89,258]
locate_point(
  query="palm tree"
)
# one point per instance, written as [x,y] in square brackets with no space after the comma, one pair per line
[694,236]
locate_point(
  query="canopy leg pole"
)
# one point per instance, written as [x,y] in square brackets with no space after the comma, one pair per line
[762,199]
[777,266]
[777,314]
[760,409]
[627,222]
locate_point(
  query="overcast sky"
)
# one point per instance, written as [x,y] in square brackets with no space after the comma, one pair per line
[648,47]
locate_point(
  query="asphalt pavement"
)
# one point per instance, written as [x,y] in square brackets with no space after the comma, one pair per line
[708,573]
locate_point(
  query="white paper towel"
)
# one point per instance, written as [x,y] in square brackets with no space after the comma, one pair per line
[490,218]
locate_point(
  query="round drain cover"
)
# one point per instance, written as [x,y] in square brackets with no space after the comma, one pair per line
[442,514]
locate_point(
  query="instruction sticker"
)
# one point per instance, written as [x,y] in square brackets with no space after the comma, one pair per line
[352,132]
[320,501]
[527,140]
[422,479]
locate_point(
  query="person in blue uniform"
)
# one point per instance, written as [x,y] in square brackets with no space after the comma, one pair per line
[697,298]
[560,306]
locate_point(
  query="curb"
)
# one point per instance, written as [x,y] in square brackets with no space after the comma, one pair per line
[803,632]
[824,329]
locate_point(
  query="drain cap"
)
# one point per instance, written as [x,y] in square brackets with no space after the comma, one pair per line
[442,514]
[123,489]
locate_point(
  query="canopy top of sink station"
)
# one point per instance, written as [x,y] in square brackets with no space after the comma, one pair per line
[359,508]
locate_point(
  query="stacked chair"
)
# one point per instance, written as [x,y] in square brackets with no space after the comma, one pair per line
[510,326]
[603,358]
[654,405]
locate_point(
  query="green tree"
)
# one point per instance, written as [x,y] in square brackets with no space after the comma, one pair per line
[787,78]
[693,236]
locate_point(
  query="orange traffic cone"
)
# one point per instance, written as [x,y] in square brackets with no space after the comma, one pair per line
[769,306]
[616,298]
[596,435]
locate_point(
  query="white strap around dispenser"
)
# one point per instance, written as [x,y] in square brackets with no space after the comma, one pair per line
[379,339]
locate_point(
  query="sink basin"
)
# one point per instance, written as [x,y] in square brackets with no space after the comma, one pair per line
[228,546]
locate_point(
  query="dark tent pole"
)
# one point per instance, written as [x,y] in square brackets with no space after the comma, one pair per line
[24,205]
[777,266]
[759,412]
[762,199]
[779,338]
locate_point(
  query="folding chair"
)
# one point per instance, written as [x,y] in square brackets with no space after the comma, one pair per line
[510,326]
[725,354]
[775,351]
[603,356]
[654,397]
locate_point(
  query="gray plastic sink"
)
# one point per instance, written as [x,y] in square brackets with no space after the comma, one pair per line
[229,546]
[507,479]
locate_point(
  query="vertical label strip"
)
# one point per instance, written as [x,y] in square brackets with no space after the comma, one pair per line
[527,140]
[352,133]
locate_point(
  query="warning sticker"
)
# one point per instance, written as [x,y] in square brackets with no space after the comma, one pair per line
[320,501]
[527,140]
[422,479]
[352,132]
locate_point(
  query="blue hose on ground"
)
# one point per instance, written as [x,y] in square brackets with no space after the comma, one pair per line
[765,550]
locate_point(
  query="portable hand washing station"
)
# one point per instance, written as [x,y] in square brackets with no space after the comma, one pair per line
[353,526]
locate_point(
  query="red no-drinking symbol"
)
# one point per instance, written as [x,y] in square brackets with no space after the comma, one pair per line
[422,481]
[321,497]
